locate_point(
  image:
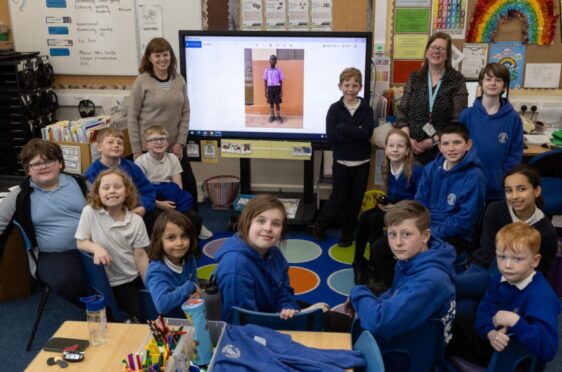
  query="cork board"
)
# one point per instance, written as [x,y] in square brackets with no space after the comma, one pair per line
[508,31]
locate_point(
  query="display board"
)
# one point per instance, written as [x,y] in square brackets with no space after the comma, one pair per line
[81,37]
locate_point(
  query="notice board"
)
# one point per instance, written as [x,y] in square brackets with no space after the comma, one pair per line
[81,37]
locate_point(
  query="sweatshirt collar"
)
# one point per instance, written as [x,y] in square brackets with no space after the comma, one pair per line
[523,283]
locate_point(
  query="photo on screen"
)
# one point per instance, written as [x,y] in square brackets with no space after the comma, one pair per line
[274,94]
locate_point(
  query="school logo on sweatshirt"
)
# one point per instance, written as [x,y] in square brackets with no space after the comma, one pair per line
[451,199]
[231,351]
[503,137]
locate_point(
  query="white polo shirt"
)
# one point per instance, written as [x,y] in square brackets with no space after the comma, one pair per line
[119,238]
[158,171]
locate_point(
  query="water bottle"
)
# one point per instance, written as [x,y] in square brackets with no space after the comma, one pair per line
[194,310]
[97,320]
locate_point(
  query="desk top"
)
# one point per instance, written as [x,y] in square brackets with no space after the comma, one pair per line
[126,338]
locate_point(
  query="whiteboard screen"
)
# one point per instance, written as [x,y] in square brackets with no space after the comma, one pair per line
[81,37]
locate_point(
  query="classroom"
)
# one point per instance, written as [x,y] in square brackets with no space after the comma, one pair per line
[377,180]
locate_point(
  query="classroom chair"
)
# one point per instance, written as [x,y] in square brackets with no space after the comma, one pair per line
[421,349]
[32,252]
[370,351]
[548,165]
[515,357]
[312,320]
[97,278]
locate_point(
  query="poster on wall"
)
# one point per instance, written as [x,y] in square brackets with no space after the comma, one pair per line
[321,15]
[511,55]
[474,60]
[252,15]
[275,16]
[449,16]
[298,14]
[411,20]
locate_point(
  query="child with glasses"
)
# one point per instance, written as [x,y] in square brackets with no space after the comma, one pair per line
[163,170]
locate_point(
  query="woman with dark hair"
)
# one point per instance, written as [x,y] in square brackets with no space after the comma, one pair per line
[433,96]
[159,97]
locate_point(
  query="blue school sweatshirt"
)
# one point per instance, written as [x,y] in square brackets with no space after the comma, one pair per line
[143,185]
[455,198]
[400,189]
[254,348]
[252,282]
[169,289]
[536,304]
[422,288]
[498,140]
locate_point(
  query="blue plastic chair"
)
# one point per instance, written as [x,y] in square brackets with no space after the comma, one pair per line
[303,321]
[421,349]
[45,295]
[97,278]
[370,351]
[548,165]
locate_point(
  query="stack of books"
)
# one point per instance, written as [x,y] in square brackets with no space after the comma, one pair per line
[82,130]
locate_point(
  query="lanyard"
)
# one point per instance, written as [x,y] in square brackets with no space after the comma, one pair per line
[431,92]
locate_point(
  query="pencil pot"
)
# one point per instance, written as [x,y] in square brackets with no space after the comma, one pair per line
[194,310]
[96,318]
[222,190]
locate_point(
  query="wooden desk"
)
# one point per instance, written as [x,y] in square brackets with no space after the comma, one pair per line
[127,338]
[533,150]
[123,339]
[322,340]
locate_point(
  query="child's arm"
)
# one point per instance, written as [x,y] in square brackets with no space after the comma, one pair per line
[176,178]
[516,146]
[362,132]
[141,260]
[237,289]
[166,294]
[403,310]
[286,298]
[101,256]
[144,187]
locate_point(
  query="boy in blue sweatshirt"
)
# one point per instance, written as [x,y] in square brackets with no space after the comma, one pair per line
[110,144]
[453,188]
[495,129]
[519,304]
[423,284]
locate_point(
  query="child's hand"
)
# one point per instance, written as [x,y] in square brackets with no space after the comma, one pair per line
[287,313]
[165,204]
[101,256]
[505,319]
[140,211]
[348,308]
[498,339]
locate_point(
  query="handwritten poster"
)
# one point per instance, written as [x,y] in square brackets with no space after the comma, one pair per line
[321,15]
[81,37]
[542,75]
[150,22]
[475,57]
[298,14]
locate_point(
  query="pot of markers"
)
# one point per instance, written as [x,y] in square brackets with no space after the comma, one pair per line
[194,310]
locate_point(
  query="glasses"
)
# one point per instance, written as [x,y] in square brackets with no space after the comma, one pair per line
[434,48]
[43,164]
[157,140]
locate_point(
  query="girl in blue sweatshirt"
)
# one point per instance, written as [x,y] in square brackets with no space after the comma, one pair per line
[400,179]
[252,272]
[171,276]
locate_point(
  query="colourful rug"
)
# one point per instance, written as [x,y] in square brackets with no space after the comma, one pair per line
[319,271]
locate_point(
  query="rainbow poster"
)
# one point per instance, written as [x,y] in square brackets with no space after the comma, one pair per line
[537,19]
[511,55]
